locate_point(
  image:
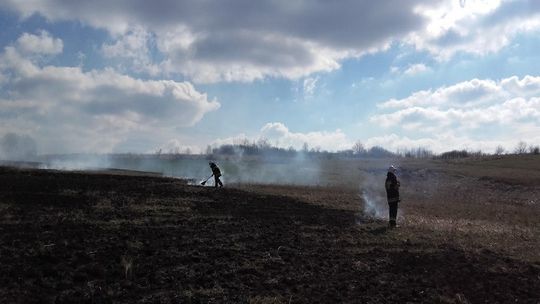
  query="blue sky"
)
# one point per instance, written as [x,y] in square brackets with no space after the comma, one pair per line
[105,76]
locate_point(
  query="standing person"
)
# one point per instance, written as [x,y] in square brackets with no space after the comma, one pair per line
[217,174]
[392,194]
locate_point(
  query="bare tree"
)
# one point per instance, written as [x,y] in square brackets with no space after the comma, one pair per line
[521,148]
[305,147]
[499,150]
[358,148]
[263,143]
[242,141]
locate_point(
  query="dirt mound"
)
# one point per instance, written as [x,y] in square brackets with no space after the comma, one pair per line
[79,238]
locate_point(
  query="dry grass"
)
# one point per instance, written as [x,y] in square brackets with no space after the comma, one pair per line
[475,210]
[484,203]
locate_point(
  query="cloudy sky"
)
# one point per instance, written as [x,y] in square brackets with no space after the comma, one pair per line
[135,76]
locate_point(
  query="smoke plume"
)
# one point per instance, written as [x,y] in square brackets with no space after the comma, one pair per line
[374,204]
[17,147]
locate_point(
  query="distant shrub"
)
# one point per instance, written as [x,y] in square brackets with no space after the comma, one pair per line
[521,148]
[379,152]
[358,148]
[419,152]
[454,154]
[499,150]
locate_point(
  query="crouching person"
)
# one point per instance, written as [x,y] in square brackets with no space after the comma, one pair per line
[392,194]
[217,173]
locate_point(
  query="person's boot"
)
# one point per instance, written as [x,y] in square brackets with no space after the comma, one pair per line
[392,223]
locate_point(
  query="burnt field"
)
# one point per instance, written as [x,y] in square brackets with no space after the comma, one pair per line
[467,235]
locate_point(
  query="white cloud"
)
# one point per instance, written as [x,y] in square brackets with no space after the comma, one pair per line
[134,46]
[279,135]
[235,41]
[478,27]
[248,58]
[310,84]
[446,141]
[410,70]
[39,44]
[440,141]
[394,69]
[526,87]
[468,93]
[416,69]
[511,105]
[67,109]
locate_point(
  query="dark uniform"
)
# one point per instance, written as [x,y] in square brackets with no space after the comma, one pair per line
[217,174]
[392,194]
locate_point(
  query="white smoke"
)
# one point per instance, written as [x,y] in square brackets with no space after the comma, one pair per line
[76,162]
[17,147]
[374,204]
[299,169]
[237,168]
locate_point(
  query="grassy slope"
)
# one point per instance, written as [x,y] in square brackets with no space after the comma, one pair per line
[476,204]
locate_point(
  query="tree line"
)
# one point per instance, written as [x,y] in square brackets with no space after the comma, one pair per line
[15,146]
[358,150]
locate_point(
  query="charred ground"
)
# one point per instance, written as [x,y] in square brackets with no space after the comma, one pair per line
[103,238]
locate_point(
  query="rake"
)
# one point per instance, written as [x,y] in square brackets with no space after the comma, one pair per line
[204,182]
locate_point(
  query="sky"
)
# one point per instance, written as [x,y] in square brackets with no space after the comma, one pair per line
[138,76]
